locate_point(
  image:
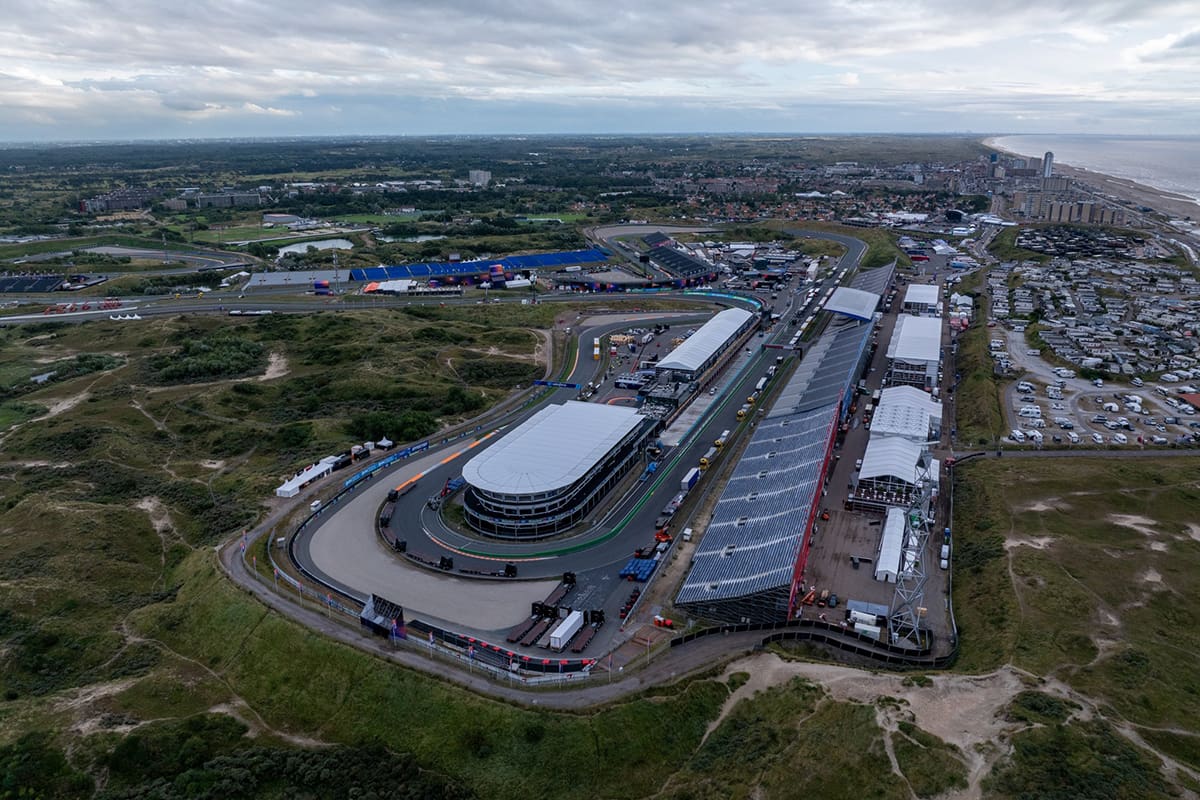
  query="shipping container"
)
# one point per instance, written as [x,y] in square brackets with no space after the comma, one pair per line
[566,630]
[690,479]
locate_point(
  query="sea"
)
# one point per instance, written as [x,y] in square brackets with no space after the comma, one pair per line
[1170,163]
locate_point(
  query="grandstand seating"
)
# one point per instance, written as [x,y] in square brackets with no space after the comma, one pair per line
[456,268]
[30,283]
[680,264]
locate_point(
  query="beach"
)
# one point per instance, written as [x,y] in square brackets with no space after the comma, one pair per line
[1175,206]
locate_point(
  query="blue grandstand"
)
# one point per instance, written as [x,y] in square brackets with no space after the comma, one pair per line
[456,269]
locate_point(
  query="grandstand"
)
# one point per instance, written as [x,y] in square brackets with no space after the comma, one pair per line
[656,239]
[875,281]
[454,269]
[542,477]
[25,284]
[700,351]
[749,564]
[829,372]
[681,265]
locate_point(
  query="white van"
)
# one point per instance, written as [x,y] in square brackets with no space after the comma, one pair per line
[1098,438]
[1073,437]
[1025,386]
[1031,412]
[1120,438]
[1138,382]
[1016,435]
[1037,423]
[945,555]
[1035,436]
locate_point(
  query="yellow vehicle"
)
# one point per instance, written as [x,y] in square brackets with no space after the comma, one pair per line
[743,411]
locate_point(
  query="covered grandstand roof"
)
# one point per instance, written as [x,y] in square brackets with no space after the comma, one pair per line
[758,526]
[853,303]
[827,372]
[704,343]
[916,339]
[509,263]
[921,293]
[656,238]
[679,264]
[552,449]
[29,283]
[891,457]
[874,280]
[906,411]
[891,546]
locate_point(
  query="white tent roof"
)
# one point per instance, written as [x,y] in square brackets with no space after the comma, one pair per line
[906,411]
[890,456]
[891,545]
[916,339]
[925,293]
[853,302]
[291,487]
[702,344]
[552,449]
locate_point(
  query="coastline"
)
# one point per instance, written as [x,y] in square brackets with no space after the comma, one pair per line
[1175,206]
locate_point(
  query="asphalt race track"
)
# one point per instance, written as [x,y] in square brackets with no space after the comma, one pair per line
[344,552]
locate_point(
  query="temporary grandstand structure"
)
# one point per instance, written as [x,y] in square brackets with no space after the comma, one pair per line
[828,373]
[891,547]
[909,413]
[891,472]
[545,474]
[853,303]
[915,351]
[680,264]
[748,566]
[921,298]
[699,351]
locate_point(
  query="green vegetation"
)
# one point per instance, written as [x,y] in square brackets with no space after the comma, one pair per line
[1101,548]
[1040,708]
[1084,761]
[788,741]
[930,765]
[209,358]
[977,401]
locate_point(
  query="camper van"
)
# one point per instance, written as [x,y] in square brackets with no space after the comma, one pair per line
[1030,412]
[1016,435]
[1120,438]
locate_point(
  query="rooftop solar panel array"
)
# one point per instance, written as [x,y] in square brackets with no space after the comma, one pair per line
[680,264]
[27,283]
[759,524]
[452,268]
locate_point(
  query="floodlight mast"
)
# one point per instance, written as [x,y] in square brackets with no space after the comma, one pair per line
[908,602]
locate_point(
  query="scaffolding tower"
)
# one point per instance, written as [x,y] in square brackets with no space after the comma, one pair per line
[908,602]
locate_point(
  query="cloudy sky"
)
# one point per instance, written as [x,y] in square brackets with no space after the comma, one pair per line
[73,69]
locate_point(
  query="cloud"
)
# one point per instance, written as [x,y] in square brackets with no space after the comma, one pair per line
[252,62]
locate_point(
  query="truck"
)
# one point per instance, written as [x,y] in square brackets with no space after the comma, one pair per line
[743,411]
[561,636]
[690,479]
[720,442]
[708,458]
